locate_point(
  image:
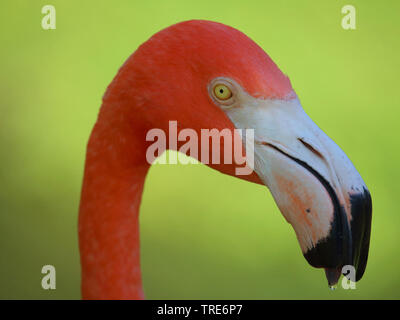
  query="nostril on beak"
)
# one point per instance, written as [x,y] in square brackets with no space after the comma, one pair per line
[311,148]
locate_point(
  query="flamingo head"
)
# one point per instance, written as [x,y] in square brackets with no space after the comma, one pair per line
[207,75]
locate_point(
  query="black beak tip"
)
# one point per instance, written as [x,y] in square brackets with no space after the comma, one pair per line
[332,275]
[361,228]
[347,243]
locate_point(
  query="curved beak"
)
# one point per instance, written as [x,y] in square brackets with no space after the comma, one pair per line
[313,182]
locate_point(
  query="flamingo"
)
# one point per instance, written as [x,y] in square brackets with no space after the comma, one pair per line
[204,74]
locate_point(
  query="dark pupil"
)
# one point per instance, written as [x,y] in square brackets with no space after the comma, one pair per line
[221,90]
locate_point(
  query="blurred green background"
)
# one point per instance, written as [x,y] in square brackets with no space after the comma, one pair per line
[230,242]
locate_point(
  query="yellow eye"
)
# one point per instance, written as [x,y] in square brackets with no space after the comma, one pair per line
[222,92]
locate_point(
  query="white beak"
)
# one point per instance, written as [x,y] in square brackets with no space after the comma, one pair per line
[314,184]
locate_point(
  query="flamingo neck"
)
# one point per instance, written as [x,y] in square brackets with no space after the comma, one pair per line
[115,172]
